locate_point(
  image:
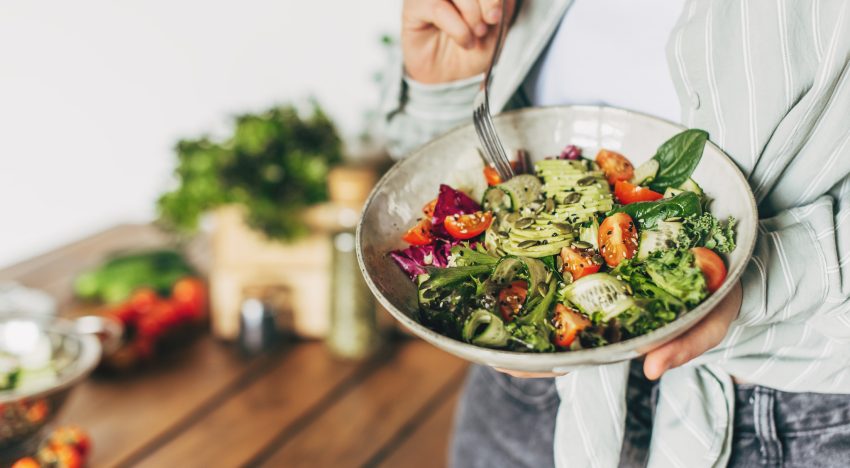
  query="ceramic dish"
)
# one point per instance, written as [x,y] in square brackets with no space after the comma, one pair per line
[396,201]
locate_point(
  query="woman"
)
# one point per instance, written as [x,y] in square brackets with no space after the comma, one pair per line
[764,380]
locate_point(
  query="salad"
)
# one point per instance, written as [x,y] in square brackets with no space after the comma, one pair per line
[571,253]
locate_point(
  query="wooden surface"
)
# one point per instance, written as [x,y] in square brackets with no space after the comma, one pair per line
[299,406]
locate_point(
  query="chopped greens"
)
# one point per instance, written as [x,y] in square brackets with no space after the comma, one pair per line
[564,265]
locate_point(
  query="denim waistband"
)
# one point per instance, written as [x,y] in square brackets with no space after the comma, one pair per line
[790,412]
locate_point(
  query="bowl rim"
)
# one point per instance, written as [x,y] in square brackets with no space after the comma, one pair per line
[640,344]
[89,358]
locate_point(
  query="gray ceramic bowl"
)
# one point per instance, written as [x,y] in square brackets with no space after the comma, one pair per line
[397,200]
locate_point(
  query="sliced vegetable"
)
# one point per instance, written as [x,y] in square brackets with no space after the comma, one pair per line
[645,173]
[420,234]
[428,209]
[665,235]
[579,262]
[691,186]
[414,259]
[532,329]
[511,268]
[450,202]
[567,322]
[677,158]
[712,267]
[615,166]
[599,293]
[484,328]
[512,298]
[628,193]
[647,214]
[467,226]
[618,238]
[491,175]
[513,194]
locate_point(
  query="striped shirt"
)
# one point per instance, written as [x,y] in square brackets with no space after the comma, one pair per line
[770,81]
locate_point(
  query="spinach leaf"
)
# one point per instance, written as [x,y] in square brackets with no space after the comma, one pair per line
[647,214]
[677,158]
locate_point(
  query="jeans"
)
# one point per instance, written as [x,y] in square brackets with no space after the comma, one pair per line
[506,422]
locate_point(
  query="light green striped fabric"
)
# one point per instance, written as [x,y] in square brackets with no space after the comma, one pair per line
[770,81]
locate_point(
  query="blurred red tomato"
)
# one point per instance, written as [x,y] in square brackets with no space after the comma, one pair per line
[190,297]
[143,299]
[28,462]
[72,436]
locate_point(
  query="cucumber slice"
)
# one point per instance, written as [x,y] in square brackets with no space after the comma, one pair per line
[599,292]
[645,173]
[691,186]
[590,234]
[509,267]
[672,192]
[513,194]
[665,235]
[484,328]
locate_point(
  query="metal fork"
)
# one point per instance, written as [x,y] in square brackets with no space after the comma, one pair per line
[494,153]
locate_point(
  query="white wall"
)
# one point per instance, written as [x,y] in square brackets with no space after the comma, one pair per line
[94,93]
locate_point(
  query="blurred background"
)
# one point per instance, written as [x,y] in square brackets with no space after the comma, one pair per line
[180,181]
[94,94]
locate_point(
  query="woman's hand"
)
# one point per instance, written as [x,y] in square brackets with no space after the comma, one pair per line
[448,40]
[699,339]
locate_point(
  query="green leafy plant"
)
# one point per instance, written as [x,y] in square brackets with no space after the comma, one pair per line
[274,164]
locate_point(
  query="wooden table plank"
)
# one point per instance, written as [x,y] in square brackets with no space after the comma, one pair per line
[233,433]
[428,445]
[125,413]
[355,428]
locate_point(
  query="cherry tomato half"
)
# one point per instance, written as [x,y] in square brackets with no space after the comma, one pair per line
[567,322]
[629,193]
[579,263]
[492,176]
[712,267]
[618,238]
[467,226]
[428,209]
[615,166]
[512,298]
[419,234]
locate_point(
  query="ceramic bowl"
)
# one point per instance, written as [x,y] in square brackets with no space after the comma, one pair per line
[396,202]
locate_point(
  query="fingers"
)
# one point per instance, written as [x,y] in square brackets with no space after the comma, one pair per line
[696,341]
[491,11]
[449,20]
[529,375]
[471,12]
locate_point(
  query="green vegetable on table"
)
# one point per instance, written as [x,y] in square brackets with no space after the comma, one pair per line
[274,165]
[118,277]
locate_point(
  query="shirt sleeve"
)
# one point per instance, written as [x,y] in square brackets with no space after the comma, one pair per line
[413,113]
[800,269]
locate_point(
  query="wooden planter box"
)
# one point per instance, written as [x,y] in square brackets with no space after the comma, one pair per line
[244,259]
[297,274]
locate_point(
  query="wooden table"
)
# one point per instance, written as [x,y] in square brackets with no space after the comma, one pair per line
[207,406]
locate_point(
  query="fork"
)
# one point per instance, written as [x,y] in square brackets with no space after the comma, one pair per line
[494,152]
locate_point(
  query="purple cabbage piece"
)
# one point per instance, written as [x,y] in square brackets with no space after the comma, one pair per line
[571,152]
[450,202]
[414,258]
